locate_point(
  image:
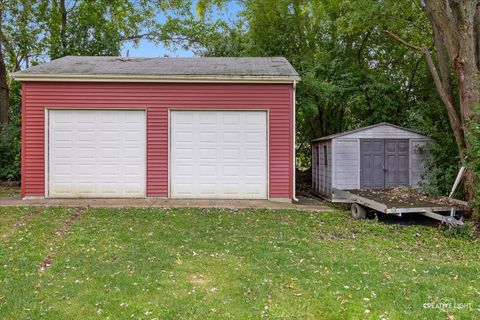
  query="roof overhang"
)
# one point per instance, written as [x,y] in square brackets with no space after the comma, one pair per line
[43,77]
[345,133]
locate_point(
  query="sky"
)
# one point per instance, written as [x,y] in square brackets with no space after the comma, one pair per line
[150,49]
[147,48]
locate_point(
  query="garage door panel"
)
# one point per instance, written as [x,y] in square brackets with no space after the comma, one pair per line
[207,154]
[231,137]
[226,151]
[204,171]
[208,137]
[232,154]
[206,118]
[231,171]
[232,118]
[104,150]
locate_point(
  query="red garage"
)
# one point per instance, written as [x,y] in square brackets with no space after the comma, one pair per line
[112,127]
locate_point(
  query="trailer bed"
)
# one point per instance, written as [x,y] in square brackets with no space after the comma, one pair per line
[402,200]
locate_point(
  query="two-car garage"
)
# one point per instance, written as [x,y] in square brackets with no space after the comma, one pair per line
[196,128]
[102,154]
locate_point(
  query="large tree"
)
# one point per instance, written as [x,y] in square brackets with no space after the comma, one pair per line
[454,64]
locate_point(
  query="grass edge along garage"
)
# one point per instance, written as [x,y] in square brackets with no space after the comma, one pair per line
[113,127]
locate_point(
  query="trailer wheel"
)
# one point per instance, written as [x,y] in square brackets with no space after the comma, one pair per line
[358,211]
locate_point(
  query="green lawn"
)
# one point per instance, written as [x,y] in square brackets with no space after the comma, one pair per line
[218,264]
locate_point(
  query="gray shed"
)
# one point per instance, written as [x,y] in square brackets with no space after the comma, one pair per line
[374,157]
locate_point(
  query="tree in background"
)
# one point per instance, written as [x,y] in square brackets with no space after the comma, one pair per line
[34,31]
[352,73]
[454,65]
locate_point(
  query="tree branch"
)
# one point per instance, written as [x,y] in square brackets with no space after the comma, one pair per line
[442,62]
[405,43]
[455,122]
[11,51]
[153,34]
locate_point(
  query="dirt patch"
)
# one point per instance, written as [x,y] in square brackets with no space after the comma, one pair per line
[199,280]
[61,232]
[10,183]
[336,236]
[22,222]
[303,184]
[403,197]
[73,217]
[7,191]
[25,219]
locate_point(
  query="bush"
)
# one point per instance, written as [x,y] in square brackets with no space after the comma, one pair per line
[473,162]
[10,152]
[465,231]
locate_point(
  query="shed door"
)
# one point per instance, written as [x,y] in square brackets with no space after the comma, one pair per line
[372,163]
[396,163]
[383,163]
[96,153]
[218,154]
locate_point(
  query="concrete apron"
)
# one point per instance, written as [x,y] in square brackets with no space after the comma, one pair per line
[163,203]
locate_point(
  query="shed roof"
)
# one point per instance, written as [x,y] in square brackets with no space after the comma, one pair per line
[78,68]
[341,134]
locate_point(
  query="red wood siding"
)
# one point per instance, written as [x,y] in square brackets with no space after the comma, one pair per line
[157,99]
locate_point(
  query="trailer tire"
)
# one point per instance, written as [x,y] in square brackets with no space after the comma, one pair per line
[358,211]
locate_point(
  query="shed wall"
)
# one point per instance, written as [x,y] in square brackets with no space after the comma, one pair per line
[322,168]
[157,99]
[346,163]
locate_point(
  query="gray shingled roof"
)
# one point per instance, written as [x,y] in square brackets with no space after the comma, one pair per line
[341,134]
[169,67]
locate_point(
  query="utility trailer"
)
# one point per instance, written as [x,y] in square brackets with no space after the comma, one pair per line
[400,201]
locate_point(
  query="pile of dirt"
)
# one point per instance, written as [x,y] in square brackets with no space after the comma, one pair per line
[304,191]
[303,186]
[405,197]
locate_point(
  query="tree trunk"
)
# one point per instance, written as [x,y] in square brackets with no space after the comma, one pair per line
[455,29]
[3,80]
[63,26]
[456,35]
[3,90]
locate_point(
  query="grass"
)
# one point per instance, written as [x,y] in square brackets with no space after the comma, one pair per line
[220,264]
[9,191]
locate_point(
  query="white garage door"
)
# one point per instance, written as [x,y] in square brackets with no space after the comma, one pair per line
[218,154]
[96,153]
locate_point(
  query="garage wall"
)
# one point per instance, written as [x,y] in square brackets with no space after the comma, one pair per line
[157,98]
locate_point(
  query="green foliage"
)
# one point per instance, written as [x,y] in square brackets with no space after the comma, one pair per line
[473,159]
[102,27]
[466,231]
[33,31]
[10,152]
[10,138]
[352,74]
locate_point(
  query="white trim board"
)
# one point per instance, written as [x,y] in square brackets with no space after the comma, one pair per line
[42,77]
